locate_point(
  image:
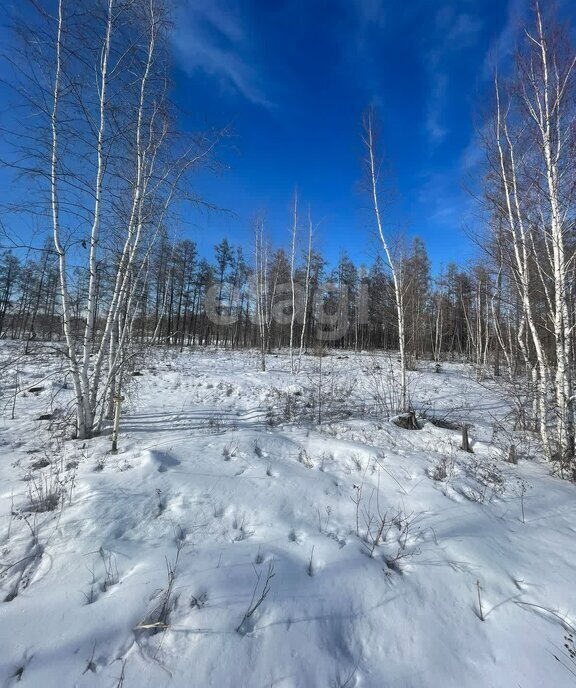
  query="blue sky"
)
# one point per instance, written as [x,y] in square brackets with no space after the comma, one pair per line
[294,76]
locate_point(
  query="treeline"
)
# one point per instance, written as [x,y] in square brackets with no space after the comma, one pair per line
[189,300]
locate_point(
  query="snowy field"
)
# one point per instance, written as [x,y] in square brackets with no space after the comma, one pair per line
[236,541]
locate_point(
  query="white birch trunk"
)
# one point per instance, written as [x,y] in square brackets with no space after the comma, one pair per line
[306,292]
[79,392]
[88,343]
[521,253]
[292,260]
[373,170]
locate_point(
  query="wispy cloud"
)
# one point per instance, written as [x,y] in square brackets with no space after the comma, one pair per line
[444,204]
[463,31]
[434,109]
[506,41]
[364,24]
[369,14]
[453,33]
[213,37]
[473,155]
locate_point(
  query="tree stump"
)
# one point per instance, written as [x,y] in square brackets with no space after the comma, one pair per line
[407,421]
[466,440]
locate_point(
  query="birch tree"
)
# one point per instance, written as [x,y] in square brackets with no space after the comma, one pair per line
[546,94]
[306,303]
[373,168]
[292,278]
[261,285]
[109,168]
[534,175]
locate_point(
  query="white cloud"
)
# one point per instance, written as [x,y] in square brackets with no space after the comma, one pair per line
[212,37]
[462,31]
[436,132]
[506,42]
[455,32]
[369,13]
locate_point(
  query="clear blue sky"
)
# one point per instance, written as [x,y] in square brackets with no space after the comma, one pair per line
[294,76]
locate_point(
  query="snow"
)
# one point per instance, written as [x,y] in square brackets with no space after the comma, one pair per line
[224,474]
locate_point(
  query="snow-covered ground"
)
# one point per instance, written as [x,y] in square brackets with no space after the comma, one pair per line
[138,569]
